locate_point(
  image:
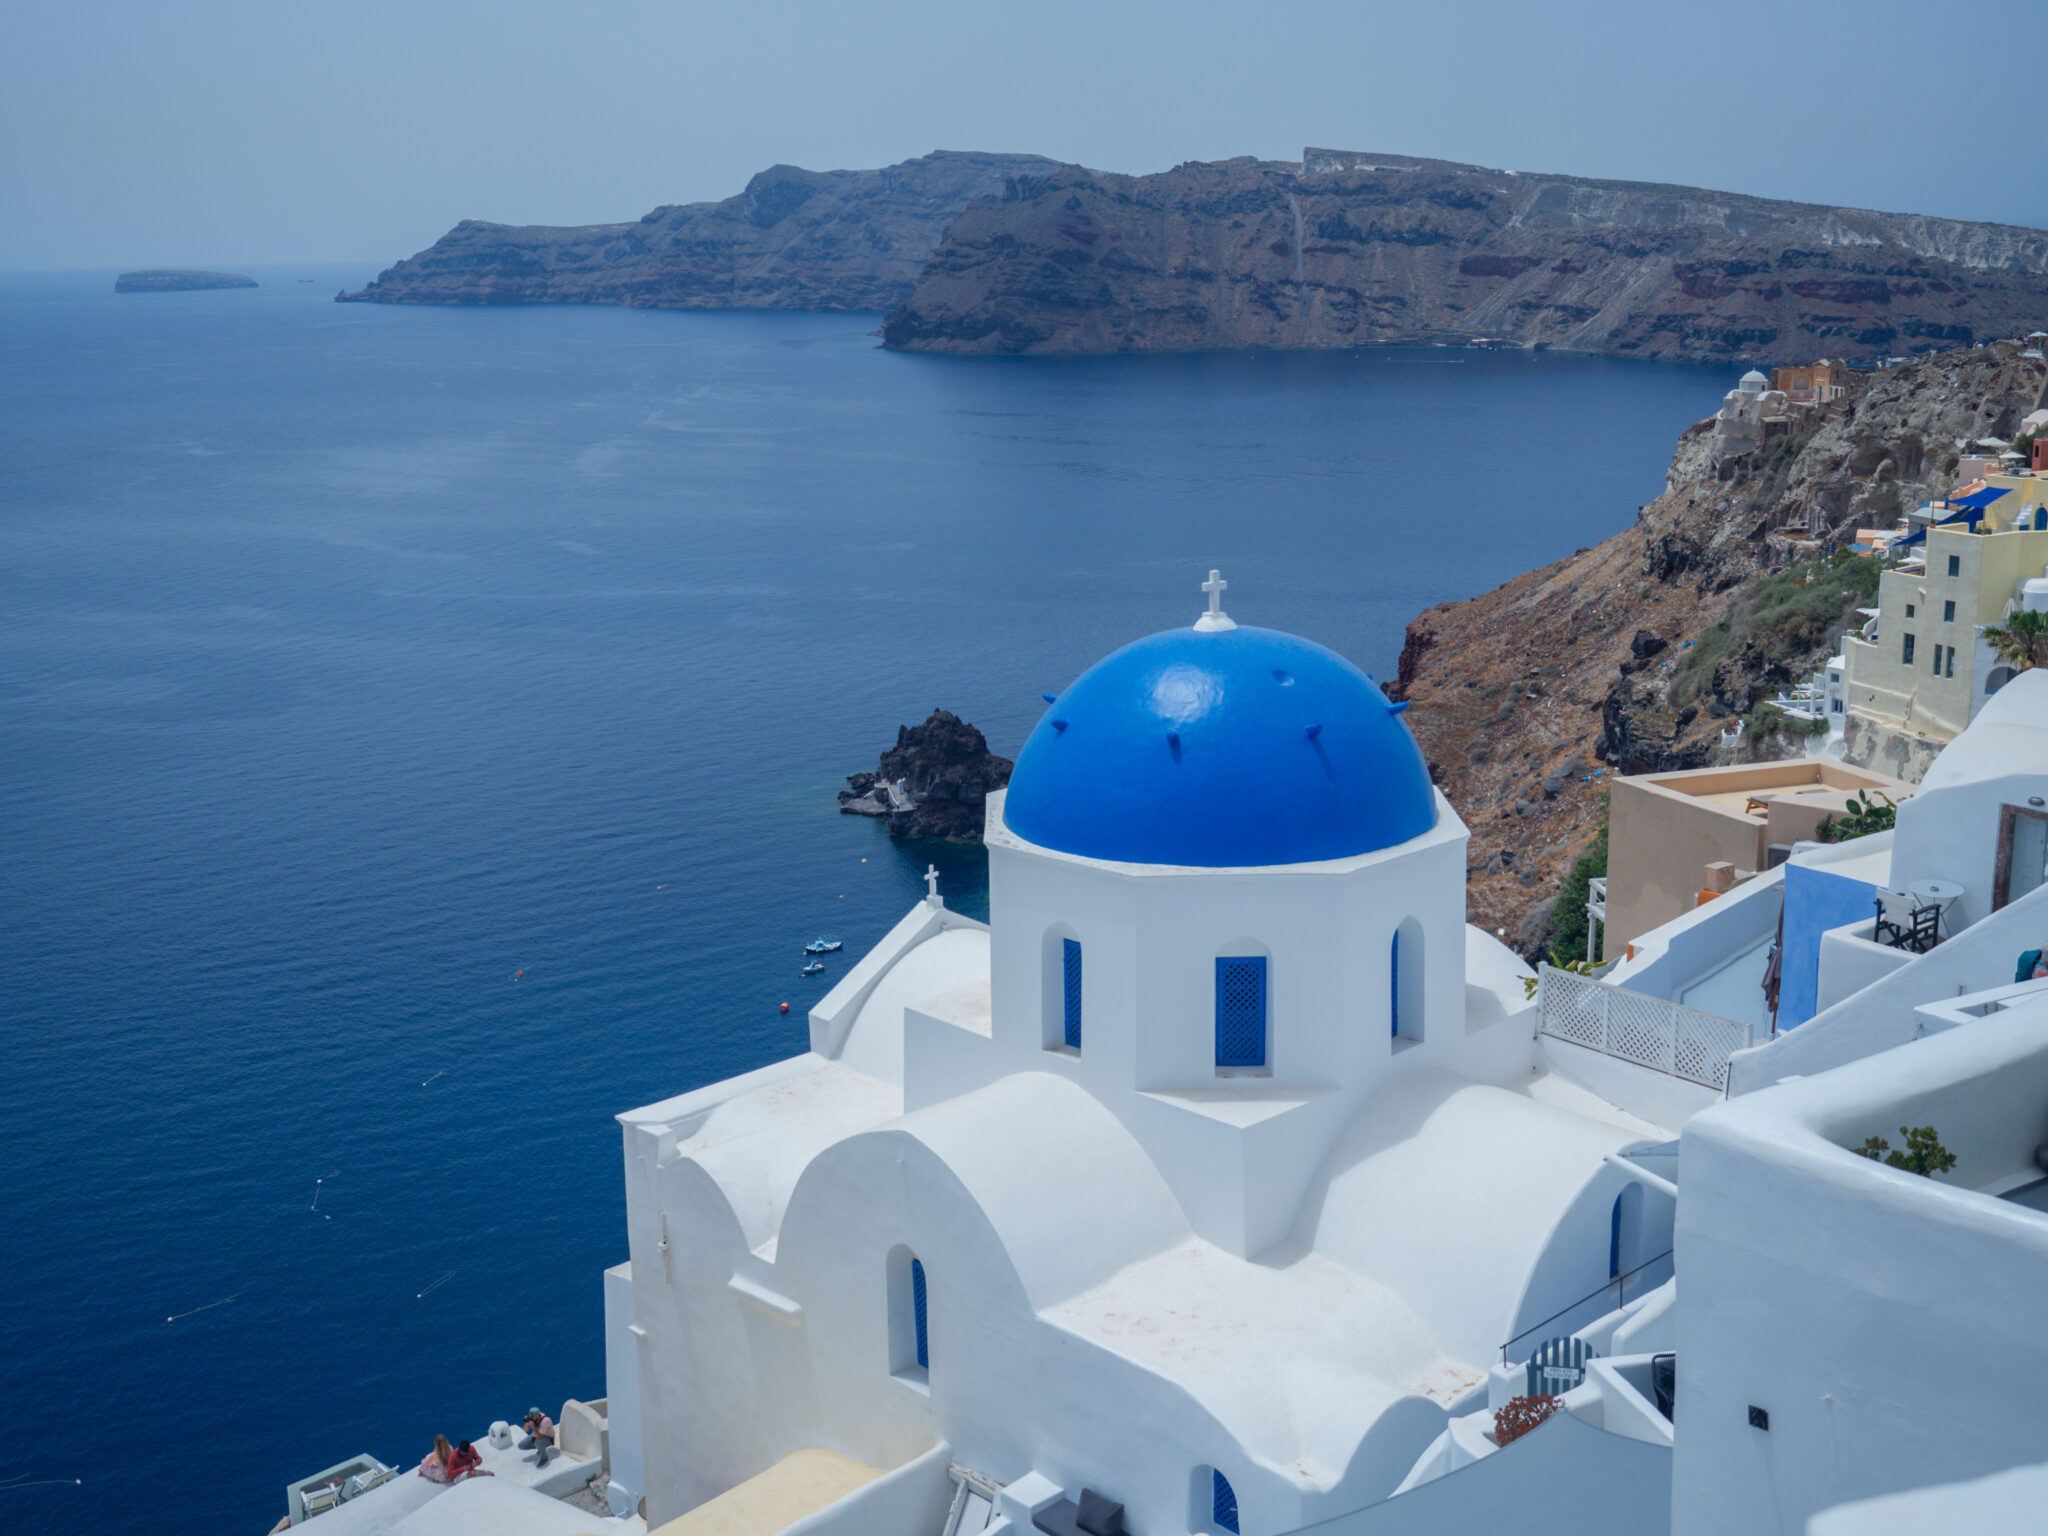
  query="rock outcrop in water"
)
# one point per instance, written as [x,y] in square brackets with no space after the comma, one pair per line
[933,783]
[168,280]
[1636,655]
[794,239]
[1354,249]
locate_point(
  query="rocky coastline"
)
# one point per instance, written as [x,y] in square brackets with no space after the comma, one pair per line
[1344,250]
[1643,653]
[995,253]
[934,782]
[794,239]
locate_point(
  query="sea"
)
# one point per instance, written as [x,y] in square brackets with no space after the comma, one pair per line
[419,737]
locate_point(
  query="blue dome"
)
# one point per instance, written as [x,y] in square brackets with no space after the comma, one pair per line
[1220,750]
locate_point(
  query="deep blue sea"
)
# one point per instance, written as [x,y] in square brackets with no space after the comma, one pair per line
[419,731]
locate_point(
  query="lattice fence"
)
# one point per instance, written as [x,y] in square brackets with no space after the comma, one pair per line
[1633,1026]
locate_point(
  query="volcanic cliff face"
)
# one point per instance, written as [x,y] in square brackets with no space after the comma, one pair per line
[795,239]
[1350,250]
[1519,695]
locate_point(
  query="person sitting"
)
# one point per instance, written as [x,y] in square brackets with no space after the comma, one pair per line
[435,1464]
[2030,967]
[540,1436]
[467,1461]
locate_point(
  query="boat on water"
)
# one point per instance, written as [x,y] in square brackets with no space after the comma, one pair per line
[812,969]
[822,946]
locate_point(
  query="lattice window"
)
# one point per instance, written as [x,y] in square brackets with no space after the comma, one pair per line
[1241,1011]
[1071,968]
[1225,1503]
[924,1354]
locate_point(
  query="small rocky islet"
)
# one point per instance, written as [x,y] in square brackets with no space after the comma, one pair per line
[171,280]
[934,782]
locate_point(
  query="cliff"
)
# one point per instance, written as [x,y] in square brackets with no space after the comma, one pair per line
[169,280]
[794,239]
[1348,250]
[1637,654]
[933,783]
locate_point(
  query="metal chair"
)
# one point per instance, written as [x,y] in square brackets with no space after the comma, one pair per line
[1903,925]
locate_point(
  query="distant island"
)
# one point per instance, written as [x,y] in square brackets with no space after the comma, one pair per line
[167,280]
[794,239]
[1346,249]
[987,253]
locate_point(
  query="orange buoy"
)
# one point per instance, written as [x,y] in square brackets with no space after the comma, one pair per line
[785,1007]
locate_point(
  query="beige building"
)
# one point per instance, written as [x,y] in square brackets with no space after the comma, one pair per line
[1920,665]
[1818,384]
[1675,838]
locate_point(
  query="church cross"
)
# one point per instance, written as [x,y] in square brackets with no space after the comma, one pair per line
[931,882]
[1215,621]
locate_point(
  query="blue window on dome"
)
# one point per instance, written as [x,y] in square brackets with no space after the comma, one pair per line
[1241,1011]
[924,1353]
[1225,1498]
[1071,970]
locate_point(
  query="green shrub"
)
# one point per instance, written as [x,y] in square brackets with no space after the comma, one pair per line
[1783,619]
[1564,935]
[1864,816]
[1924,1154]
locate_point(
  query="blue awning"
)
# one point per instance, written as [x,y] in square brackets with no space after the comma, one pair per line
[1977,501]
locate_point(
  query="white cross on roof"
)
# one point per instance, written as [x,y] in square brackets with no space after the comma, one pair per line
[1215,620]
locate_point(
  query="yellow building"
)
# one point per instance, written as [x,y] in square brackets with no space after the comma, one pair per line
[1921,664]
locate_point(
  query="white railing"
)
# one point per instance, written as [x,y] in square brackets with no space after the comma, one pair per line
[1633,1026]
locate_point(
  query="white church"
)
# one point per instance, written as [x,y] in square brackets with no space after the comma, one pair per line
[1212,1175]
[1228,1182]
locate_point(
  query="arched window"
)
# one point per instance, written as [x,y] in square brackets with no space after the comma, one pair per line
[1224,1503]
[1070,991]
[1622,1228]
[1405,982]
[910,1354]
[1240,1010]
[1060,989]
[1394,985]
[917,1302]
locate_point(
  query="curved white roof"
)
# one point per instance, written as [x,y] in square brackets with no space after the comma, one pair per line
[2009,736]
[874,1045]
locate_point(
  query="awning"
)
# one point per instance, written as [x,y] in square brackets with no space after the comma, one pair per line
[1977,501]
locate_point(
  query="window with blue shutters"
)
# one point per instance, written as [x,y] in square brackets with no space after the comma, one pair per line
[917,1306]
[1394,986]
[910,1352]
[1240,1011]
[1071,971]
[1406,971]
[1225,1511]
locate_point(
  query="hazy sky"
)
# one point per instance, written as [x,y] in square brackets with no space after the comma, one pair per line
[230,132]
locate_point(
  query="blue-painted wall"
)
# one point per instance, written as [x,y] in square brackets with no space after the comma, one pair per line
[1815,901]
